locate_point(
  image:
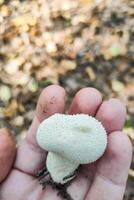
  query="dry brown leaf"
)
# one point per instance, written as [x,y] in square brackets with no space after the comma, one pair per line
[85,2]
[10,110]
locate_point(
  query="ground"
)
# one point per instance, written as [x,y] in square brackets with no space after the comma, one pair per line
[74,43]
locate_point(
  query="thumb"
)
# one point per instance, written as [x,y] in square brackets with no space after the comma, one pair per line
[7,152]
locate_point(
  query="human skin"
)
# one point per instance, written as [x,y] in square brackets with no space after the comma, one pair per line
[102,180]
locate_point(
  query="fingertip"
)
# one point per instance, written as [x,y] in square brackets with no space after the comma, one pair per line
[112,114]
[120,104]
[51,100]
[86,101]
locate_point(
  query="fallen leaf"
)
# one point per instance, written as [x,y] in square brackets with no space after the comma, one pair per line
[66,65]
[4,11]
[51,47]
[90,73]
[5,93]
[29,115]
[33,85]
[1,2]
[117,86]
[13,65]
[116,49]
[10,110]
[23,20]
[131,172]
[18,121]
[23,79]
[130,132]
[129,89]
[85,2]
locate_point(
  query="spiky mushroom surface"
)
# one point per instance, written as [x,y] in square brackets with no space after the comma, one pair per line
[71,140]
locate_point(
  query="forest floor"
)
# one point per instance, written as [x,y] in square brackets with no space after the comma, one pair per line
[74,43]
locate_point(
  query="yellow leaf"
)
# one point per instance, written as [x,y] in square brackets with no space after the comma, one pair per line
[86,2]
[66,65]
[131,172]
[1,2]
[18,121]
[90,73]
[10,110]
[4,11]
[117,86]
[24,20]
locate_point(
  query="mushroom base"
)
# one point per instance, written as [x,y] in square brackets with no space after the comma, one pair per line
[45,179]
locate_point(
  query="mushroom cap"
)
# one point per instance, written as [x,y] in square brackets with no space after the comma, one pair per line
[79,138]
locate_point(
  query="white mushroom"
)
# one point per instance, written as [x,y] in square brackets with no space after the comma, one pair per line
[70,140]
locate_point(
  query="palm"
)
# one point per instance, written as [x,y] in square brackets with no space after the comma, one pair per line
[91,180]
[24,186]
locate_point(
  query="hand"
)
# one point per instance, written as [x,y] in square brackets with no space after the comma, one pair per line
[105,179]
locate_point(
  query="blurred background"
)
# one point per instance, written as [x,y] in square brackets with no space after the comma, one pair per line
[74,43]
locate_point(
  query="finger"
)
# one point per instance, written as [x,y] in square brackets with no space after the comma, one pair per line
[86,101]
[112,169]
[51,101]
[112,114]
[30,156]
[7,153]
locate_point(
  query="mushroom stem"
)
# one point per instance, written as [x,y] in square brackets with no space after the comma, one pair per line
[60,167]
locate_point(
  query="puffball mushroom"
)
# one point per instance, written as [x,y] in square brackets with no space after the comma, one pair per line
[71,140]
